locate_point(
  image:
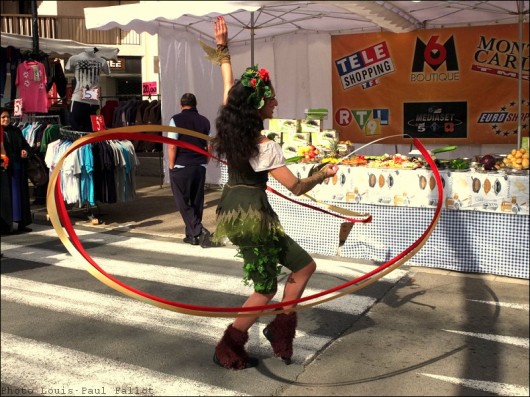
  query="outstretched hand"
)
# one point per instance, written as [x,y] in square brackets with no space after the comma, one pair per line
[221,31]
[331,169]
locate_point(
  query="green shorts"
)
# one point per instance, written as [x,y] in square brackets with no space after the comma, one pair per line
[291,256]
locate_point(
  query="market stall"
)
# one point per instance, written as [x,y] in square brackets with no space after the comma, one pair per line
[483,227]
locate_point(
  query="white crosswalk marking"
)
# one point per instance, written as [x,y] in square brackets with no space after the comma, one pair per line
[117,256]
[511,340]
[77,373]
[500,389]
[504,304]
[125,311]
[49,369]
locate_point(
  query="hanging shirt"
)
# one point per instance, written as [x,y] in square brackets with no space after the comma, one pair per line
[87,67]
[31,83]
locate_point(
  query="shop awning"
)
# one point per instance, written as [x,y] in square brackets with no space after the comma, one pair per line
[55,47]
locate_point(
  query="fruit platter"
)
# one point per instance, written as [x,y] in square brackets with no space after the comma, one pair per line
[516,162]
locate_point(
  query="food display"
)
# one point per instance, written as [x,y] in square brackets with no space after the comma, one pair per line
[308,152]
[305,141]
[517,159]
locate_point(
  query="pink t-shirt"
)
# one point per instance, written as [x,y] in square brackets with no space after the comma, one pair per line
[31,83]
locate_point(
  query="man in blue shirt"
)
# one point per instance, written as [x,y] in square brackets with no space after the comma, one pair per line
[187,170]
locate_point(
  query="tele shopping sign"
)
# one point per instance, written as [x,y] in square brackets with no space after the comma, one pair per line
[364,66]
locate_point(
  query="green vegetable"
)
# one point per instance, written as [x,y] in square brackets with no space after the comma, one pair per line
[444,149]
[459,164]
[294,159]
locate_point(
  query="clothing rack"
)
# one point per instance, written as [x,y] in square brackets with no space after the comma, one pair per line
[30,118]
[72,135]
[160,153]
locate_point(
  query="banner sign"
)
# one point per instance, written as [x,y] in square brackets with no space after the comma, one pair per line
[149,88]
[458,85]
[98,122]
[17,107]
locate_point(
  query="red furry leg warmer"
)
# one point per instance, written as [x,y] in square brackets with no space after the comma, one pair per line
[230,351]
[280,333]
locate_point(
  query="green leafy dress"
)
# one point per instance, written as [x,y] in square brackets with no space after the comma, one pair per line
[246,218]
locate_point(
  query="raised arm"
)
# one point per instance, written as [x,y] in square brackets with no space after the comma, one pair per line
[221,39]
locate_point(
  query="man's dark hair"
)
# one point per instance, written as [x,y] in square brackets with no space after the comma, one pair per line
[188,100]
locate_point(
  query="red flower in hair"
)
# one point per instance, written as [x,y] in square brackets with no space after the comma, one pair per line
[257,79]
[264,74]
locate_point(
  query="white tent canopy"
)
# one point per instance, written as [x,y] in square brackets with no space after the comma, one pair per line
[294,39]
[272,18]
[55,47]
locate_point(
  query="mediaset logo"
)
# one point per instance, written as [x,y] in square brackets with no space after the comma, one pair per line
[435,54]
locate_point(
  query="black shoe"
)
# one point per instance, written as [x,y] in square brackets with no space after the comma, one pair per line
[205,238]
[24,230]
[251,363]
[191,240]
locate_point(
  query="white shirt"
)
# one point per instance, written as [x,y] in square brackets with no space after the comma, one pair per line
[270,156]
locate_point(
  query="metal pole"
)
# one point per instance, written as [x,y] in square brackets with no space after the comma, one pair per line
[520,76]
[35,27]
[252,38]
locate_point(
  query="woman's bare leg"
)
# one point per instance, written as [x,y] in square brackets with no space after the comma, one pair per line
[296,283]
[256,299]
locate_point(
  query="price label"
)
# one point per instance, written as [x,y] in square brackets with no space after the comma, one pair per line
[90,94]
[17,107]
[149,88]
[98,122]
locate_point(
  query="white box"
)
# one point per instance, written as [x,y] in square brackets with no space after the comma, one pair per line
[324,138]
[284,125]
[273,136]
[310,126]
[296,138]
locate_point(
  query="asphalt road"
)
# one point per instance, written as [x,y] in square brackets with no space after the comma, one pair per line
[418,332]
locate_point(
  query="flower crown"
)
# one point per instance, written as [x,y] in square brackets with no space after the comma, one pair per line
[257,80]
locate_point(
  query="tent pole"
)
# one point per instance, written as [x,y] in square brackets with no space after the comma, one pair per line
[35,27]
[252,38]
[520,78]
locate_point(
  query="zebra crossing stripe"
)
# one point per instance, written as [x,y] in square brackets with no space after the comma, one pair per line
[508,305]
[124,311]
[501,389]
[352,304]
[510,340]
[70,372]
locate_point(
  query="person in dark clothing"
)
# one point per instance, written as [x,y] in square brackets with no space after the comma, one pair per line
[187,170]
[15,210]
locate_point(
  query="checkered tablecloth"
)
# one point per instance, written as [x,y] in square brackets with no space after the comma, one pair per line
[467,240]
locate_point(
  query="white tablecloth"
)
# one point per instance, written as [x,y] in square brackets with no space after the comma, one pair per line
[483,228]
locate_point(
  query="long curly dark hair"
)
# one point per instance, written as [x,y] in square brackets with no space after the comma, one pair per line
[239,127]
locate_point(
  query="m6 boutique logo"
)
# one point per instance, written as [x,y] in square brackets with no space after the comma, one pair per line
[434,54]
